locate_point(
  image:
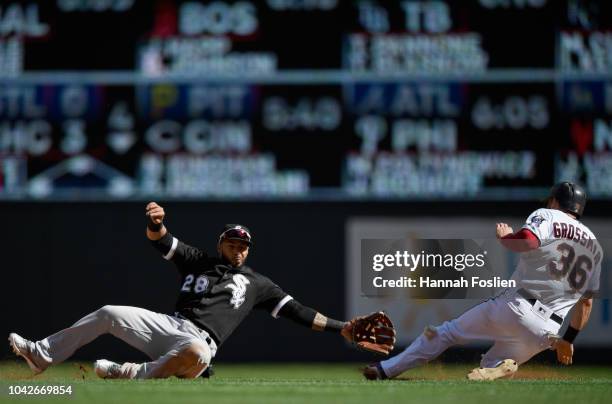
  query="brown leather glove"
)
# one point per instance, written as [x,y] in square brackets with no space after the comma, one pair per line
[373,333]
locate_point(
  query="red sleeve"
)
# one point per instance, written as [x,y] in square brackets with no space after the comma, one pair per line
[521,241]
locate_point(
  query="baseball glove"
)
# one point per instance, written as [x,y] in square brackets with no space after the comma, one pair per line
[374,333]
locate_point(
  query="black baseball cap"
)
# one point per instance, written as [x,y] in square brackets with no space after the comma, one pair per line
[236,232]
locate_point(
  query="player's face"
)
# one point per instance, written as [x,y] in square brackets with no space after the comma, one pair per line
[234,251]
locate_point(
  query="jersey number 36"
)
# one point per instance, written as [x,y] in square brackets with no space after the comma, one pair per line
[578,268]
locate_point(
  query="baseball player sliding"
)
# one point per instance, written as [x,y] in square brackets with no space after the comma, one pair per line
[559,268]
[216,294]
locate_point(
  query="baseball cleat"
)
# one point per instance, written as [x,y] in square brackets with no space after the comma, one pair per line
[506,368]
[26,349]
[374,371]
[106,369]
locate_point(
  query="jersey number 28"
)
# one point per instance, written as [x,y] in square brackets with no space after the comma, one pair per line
[200,286]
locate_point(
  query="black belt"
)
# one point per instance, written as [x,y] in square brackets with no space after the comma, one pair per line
[532,301]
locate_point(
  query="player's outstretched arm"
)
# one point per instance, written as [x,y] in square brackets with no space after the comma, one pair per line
[580,316]
[311,318]
[374,333]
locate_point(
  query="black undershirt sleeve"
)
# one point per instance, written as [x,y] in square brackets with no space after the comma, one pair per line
[305,316]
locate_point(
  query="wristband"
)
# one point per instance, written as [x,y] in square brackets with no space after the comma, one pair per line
[323,323]
[154,227]
[334,325]
[570,334]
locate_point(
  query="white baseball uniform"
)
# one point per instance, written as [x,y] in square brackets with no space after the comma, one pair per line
[550,280]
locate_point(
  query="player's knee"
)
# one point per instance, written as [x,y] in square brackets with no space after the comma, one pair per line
[108,312]
[195,358]
[430,332]
[196,354]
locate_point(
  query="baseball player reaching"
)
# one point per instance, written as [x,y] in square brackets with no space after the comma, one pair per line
[216,294]
[558,269]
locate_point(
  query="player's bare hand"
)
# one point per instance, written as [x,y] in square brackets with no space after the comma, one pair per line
[155,212]
[502,230]
[347,331]
[565,351]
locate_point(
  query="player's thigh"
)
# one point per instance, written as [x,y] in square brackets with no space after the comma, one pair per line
[472,325]
[152,333]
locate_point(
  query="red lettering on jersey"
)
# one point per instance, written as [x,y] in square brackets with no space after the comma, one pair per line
[564,230]
[556,230]
[570,231]
[584,239]
[577,235]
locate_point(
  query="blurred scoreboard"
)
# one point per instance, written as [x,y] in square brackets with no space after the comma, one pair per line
[304,99]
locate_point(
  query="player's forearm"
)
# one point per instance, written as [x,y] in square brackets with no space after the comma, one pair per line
[580,317]
[309,317]
[581,314]
[324,323]
[165,244]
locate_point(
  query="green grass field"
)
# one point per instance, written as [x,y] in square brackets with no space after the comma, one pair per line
[320,383]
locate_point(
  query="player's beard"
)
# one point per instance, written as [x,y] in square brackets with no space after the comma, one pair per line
[232,262]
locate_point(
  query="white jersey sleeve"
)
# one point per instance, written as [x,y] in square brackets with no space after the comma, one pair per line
[540,223]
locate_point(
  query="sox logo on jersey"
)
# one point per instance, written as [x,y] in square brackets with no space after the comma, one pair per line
[238,288]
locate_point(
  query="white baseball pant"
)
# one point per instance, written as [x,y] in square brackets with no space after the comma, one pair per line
[518,331]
